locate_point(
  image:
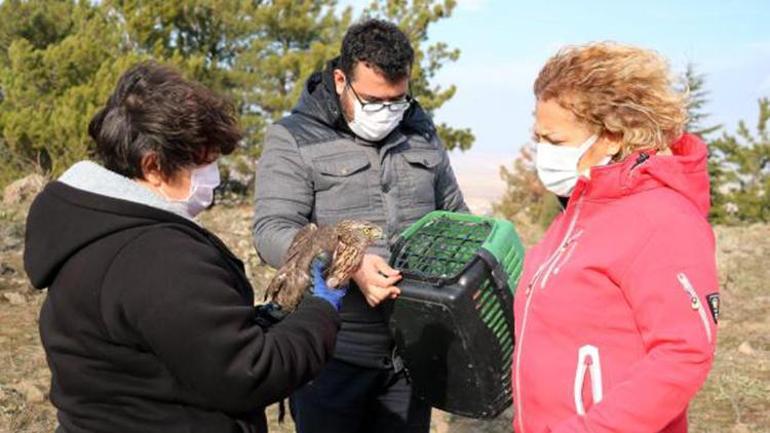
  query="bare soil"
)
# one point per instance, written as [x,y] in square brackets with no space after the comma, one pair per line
[736,398]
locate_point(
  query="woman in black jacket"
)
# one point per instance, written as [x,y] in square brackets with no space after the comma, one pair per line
[149,324]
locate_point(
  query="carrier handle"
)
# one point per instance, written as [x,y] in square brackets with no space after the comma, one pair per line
[501,282]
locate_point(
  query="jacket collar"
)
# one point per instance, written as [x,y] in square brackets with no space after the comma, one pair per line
[684,171]
[92,177]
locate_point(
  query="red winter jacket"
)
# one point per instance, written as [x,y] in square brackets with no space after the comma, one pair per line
[617,307]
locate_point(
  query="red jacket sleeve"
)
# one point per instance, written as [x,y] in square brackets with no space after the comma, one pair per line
[668,286]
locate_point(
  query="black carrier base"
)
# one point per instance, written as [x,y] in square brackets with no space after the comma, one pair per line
[456,340]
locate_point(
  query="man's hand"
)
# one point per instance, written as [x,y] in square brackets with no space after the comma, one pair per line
[376,280]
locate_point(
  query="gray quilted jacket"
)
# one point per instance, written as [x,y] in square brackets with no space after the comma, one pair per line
[313,169]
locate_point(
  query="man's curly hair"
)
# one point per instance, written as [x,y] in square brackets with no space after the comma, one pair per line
[379,44]
[619,89]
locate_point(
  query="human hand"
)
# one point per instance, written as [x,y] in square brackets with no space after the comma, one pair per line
[376,280]
[319,287]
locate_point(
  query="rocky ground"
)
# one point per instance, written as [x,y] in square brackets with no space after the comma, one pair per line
[736,398]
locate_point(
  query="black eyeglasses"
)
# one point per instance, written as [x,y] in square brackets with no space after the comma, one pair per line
[373,107]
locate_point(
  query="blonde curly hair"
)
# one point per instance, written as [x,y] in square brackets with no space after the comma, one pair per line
[620,89]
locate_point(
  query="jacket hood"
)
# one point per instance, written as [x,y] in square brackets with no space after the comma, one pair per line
[319,100]
[86,204]
[684,171]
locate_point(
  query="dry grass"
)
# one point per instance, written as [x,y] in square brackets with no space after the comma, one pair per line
[736,398]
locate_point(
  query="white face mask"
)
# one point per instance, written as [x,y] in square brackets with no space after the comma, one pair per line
[557,166]
[203,181]
[374,126]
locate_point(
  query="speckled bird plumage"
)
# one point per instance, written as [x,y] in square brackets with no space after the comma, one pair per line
[345,242]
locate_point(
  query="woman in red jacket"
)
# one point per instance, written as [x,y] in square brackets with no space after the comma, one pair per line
[617,307]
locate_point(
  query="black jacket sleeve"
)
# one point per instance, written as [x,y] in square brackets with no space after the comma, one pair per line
[180,298]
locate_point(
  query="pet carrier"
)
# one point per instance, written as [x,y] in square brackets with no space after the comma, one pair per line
[453,322]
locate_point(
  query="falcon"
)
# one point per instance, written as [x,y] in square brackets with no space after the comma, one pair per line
[345,243]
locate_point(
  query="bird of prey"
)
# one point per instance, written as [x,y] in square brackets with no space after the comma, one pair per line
[345,243]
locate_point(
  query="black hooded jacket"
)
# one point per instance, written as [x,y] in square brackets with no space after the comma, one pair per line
[149,323]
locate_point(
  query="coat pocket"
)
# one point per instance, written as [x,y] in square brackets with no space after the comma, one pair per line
[695,303]
[341,182]
[588,378]
[418,172]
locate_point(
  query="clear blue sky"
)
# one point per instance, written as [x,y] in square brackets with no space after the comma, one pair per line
[504,43]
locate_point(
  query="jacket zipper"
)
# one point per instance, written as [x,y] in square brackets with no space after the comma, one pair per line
[530,295]
[588,363]
[569,248]
[551,266]
[695,302]
[544,270]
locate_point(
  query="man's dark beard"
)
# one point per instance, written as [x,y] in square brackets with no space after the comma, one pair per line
[346,105]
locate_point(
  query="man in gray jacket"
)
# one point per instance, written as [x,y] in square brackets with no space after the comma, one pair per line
[356,146]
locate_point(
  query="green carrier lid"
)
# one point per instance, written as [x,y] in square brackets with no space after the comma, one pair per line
[439,246]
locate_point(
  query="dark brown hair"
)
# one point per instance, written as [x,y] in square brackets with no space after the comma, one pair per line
[379,44]
[154,109]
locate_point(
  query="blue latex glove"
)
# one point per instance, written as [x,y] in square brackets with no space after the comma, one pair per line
[319,287]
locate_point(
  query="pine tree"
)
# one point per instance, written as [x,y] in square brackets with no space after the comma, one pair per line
[525,200]
[698,99]
[414,18]
[291,40]
[40,22]
[694,86]
[744,161]
[52,82]
[60,59]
